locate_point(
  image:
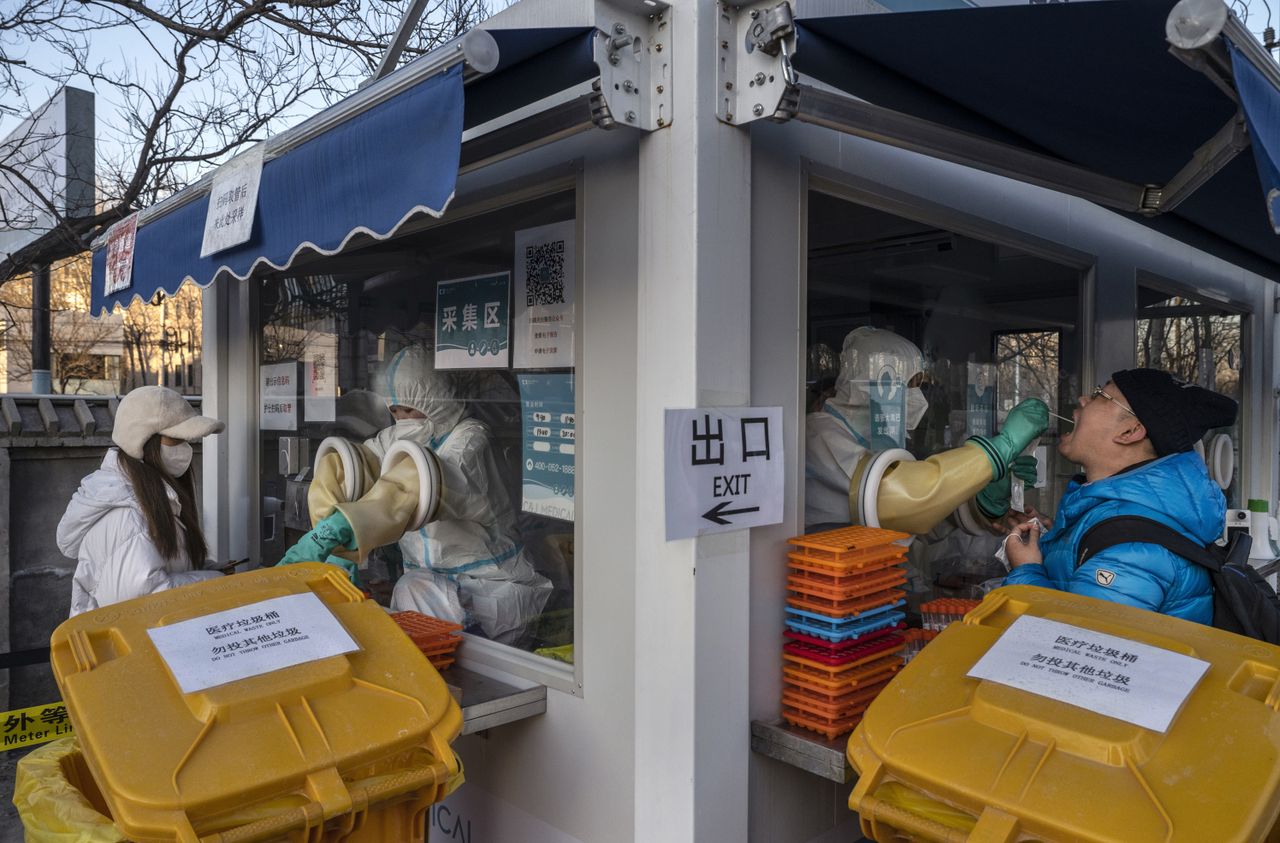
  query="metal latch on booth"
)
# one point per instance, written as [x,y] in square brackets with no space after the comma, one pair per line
[755,70]
[768,30]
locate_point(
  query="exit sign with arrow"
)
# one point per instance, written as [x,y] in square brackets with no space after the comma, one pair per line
[724,469]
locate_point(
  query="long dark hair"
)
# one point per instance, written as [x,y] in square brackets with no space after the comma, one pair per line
[149,479]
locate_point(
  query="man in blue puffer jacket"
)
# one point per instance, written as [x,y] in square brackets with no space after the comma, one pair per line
[1134,439]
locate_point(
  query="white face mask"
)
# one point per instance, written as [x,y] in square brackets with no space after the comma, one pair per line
[176,459]
[916,405]
[422,431]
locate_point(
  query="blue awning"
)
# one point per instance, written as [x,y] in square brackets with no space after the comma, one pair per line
[1261,104]
[1093,84]
[364,173]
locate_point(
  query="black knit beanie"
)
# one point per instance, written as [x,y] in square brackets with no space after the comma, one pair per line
[1176,414]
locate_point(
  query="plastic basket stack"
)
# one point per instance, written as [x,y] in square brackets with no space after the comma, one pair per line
[844,616]
[437,639]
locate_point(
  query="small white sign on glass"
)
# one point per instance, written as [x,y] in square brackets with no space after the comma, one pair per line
[546,279]
[1106,674]
[250,640]
[233,201]
[279,393]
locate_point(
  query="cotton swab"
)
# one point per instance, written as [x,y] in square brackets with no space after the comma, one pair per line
[1064,418]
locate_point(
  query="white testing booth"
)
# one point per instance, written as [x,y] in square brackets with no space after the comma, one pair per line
[691,206]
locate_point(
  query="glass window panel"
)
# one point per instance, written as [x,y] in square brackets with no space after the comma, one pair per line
[1199,342]
[358,333]
[992,325]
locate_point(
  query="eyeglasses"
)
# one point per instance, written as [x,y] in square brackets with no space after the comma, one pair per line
[1099,392]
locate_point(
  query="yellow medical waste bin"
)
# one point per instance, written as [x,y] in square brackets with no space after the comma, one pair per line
[277,704]
[1188,751]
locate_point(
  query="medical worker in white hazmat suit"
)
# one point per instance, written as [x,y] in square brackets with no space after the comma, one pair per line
[911,496]
[465,565]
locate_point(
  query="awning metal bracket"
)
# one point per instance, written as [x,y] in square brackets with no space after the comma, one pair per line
[633,53]
[753,70]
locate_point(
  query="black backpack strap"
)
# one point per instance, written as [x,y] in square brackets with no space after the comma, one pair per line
[1127,529]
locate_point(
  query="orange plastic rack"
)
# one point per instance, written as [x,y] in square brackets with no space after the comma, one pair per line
[841,543]
[858,567]
[837,609]
[827,727]
[436,639]
[824,683]
[833,707]
[844,588]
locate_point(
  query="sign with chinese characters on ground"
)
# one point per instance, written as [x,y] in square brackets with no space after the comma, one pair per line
[545,281]
[320,378]
[472,322]
[250,640]
[550,432]
[26,727]
[120,240]
[279,394]
[724,469]
[1106,674]
[233,200]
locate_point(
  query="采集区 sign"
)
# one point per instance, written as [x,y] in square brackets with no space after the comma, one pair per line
[473,321]
[724,469]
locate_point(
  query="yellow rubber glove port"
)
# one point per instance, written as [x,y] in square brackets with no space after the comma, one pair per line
[326,490]
[380,517]
[52,807]
[914,497]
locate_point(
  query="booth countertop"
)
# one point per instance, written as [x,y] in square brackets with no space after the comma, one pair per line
[799,748]
[488,702]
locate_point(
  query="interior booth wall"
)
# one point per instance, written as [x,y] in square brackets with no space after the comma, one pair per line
[789,161]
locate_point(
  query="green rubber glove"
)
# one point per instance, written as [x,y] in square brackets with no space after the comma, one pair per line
[993,500]
[1023,425]
[317,545]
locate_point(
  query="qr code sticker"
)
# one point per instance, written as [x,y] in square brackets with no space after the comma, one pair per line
[544,273]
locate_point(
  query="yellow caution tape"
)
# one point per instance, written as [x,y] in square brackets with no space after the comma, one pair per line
[26,727]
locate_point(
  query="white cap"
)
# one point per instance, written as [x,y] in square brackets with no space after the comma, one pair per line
[149,410]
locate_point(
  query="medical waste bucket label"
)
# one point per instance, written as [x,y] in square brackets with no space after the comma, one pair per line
[250,640]
[1113,676]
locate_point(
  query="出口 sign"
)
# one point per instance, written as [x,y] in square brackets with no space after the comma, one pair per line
[724,469]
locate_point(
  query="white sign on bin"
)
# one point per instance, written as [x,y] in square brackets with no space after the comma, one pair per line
[1112,676]
[250,640]
[724,469]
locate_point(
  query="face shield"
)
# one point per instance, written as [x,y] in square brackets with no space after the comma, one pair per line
[878,388]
